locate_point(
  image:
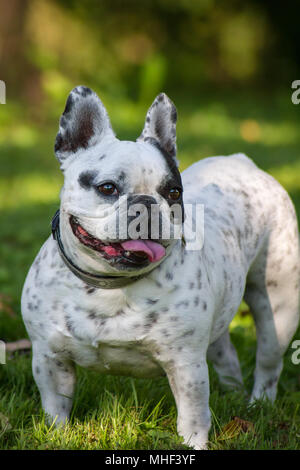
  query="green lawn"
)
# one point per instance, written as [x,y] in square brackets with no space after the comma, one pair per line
[117,412]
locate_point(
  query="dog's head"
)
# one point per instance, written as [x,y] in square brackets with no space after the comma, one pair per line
[121,203]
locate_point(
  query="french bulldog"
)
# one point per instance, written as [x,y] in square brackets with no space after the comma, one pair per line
[149,306]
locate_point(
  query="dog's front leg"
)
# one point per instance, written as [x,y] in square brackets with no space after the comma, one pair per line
[55,378]
[189,381]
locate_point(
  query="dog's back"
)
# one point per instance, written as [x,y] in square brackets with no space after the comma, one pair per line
[250,219]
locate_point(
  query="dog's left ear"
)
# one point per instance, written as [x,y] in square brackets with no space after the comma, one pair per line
[160,125]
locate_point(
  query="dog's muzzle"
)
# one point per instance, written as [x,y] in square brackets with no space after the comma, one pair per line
[94,280]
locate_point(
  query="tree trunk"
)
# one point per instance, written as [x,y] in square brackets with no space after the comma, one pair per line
[21,77]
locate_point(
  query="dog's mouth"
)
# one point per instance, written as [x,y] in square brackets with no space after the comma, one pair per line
[129,252]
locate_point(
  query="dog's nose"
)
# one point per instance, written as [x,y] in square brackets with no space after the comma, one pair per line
[151,229]
[147,201]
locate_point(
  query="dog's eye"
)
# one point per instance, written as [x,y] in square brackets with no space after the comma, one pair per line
[174,194]
[108,189]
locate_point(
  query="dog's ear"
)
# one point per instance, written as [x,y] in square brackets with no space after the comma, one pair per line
[84,123]
[160,125]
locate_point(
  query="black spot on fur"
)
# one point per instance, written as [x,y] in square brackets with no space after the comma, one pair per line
[151,301]
[92,314]
[183,303]
[69,104]
[87,178]
[199,275]
[58,142]
[69,323]
[272,283]
[174,318]
[122,176]
[84,91]
[173,114]
[270,383]
[63,122]
[239,236]
[188,333]
[165,333]
[152,317]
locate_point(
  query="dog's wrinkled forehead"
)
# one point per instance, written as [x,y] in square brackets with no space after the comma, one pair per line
[135,167]
[88,150]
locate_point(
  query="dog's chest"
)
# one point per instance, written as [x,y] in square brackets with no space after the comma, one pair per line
[112,334]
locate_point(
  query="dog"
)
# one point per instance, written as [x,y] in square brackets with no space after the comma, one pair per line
[149,306]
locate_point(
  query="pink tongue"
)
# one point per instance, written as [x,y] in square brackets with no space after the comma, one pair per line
[153,250]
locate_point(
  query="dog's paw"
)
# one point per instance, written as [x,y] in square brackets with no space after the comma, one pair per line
[197,441]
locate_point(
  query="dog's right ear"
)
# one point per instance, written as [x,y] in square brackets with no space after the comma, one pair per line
[84,123]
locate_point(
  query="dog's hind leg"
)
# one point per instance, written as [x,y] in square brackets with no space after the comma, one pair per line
[272,293]
[223,355]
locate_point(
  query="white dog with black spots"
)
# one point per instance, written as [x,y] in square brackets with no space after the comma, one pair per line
[149,307]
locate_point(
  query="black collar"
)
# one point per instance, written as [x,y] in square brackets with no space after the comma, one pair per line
[103,282]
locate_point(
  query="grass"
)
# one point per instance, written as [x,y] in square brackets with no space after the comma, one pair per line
[117,412]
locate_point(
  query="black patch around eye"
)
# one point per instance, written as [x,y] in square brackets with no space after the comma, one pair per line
[86,179]
[165,187]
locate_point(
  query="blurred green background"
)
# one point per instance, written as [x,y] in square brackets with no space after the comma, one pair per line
[228,66]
